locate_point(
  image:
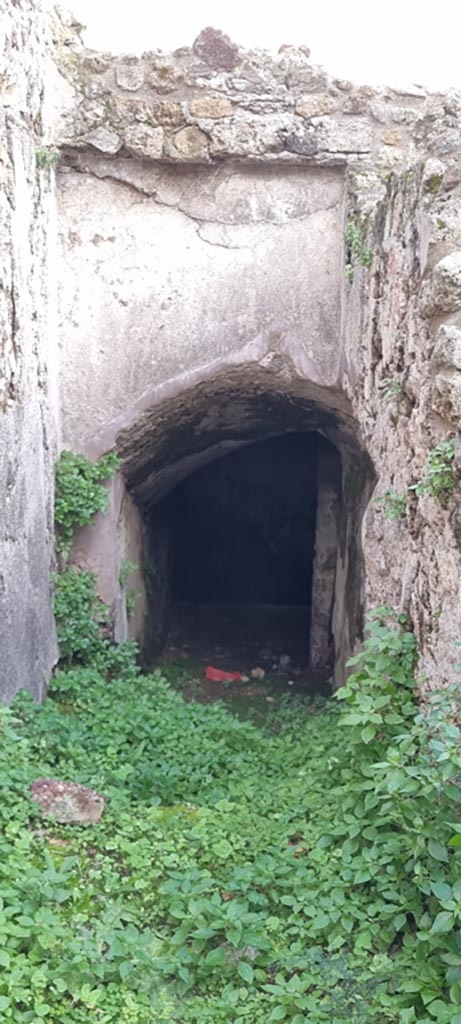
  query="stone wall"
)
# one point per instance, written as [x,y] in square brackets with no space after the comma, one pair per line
[28,369]
[246,242]
[404,339]
[230,209]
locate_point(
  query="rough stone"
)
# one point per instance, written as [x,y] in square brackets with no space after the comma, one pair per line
[444,290]
[104,139]
[315,105]
[216,49]
[68,802]
[164,75]
[143,141]
[391,137]
[241,137]
[210,107]
[447,349]
[96,62]
[28,354]
[202,305]
[446,398]
[166,112]
[304,142]
[192,143]
[346,136]
[129,76]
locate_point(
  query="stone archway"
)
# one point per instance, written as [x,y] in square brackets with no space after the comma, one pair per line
[197,427]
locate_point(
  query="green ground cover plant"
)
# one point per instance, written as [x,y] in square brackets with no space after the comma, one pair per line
[80,493]
[304,870]
[439,477]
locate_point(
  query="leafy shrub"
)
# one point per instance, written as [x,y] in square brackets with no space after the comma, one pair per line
[82,622]
[392,504]
[357,251]
[80,493]
[391,390]
[306,871]
[438,480]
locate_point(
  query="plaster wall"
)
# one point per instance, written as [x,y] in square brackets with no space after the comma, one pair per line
[167,272]
[28,352]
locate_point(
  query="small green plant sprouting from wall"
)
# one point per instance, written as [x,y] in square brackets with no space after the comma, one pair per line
[357,251]
[82,619]
[46,156]
[126,569]
[392,504]
[390,390]
[433,184]
[132,596]
[439,478]
[80,493]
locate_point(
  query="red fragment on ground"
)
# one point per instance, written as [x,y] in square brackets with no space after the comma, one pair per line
[216,675]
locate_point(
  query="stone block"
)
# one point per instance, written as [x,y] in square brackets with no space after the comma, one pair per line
[346,137]
[447,349]
[315,105]
[164,75]
[167,112]
[446,397]
[68,802]
[251,137]
[391,137]
[144,141]
[210,107]
[104,139]
[443,292]
[303,142]
[216,50]
[192,143]
[129,76]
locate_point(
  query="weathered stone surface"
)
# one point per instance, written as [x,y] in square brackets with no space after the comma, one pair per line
[315,105]
[447,349]
[68,802]
[216,49]
[104,139]
[129,76]
[191,143]
[346,136]
[210,107]
[443,293]
[28,352]
[173,276]
[446,398]
[303,141]
[164,75]
[166,112]
[392,137]
[143,141]
[245,136]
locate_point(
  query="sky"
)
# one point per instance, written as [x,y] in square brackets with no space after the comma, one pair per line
[394,42]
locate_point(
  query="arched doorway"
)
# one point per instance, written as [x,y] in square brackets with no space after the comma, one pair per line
[252,487]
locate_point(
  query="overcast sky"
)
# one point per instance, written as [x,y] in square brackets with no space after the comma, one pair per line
[392,42]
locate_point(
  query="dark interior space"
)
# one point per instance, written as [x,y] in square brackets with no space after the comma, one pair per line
[244,526]
[243,532]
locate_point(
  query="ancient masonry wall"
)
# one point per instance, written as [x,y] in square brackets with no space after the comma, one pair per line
[231,216]
[28,366]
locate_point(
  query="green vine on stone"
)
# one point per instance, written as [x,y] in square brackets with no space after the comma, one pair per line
[356,250]
[80,493]
[392,504]
[439,478]
[46,156]
[391,390]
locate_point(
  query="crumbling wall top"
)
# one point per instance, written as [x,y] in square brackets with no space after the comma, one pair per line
[215,101]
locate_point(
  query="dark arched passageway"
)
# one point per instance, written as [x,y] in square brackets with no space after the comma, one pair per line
[252,488]
[244,539]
